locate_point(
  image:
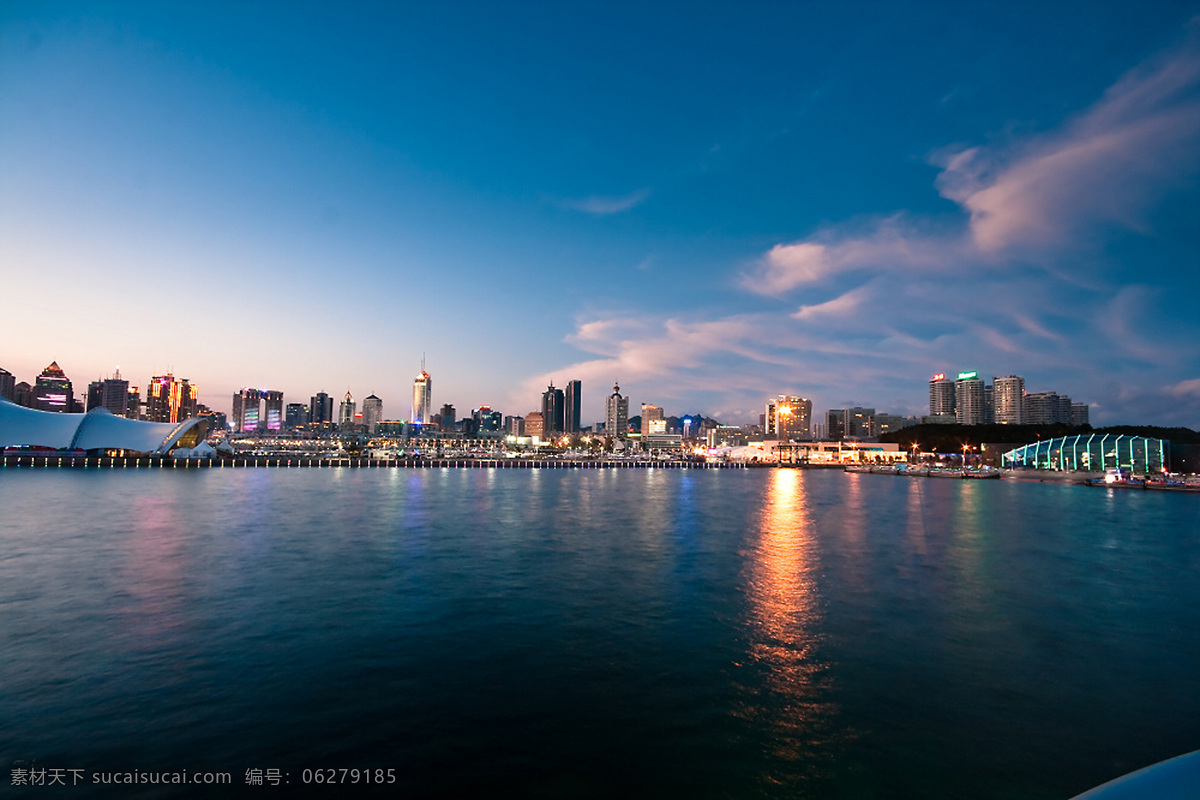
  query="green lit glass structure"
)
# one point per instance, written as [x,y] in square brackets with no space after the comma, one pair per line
[1092,452]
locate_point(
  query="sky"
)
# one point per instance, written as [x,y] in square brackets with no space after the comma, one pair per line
[708,203]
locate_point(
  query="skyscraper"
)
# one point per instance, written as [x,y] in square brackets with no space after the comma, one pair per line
[273,408]
[970,399]
[788,418]
[616,418]
[372,414]
[52,390]
[295,415]
[1008,398]
[8,384]
[346,412]
[110,393]
[572,399]
[320,408]
[171,399]
[422,403]
[552,411]
[247,410]
[941,395]
[654,419]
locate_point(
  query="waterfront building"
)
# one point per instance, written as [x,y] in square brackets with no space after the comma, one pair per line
[346,412]
[654,419]
[941,395]
[552,411]
[171,399]
[514,426]
[52,390]
[98,431]
[110,393]
[273,409]
[835,424]
[970,401]
[8,384]
[534,426]
[572,403]
[727,436]
[247,410]
[1047,408]
[788,418]
[320,408]
[372,414]
[858,423]
[616,423]
[295,415]
[133,404]
[447,417]
[887,423]
[1092,452]
[1009,400]
[422,404]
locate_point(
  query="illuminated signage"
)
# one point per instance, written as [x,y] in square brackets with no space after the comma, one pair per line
[941,376]
[966,376]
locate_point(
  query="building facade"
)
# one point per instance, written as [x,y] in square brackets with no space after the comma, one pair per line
[372,414]
[788,418]
[171,399]
[941,395]
[553,416]
[422,403]
[572,405]
[52,391]
[970,400]
[616,416]
[1008,392]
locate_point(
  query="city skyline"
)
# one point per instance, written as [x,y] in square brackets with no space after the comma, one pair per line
[708,206]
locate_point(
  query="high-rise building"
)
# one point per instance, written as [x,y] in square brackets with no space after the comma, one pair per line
[273,409]
[1008,404]
[789,418]
[320,408]
[552,411]
[133,404]
[835,424]
[514,426]
[110,393]
[8,384]
[295,415]
[858,422]
[52,390]
[486,419]
[1079,413]
[654,419]
[1047,408]
[372,412]
[247,411]
[616,420]
[941,395]
[572,402]
[970,400]
[171,399]
[346,412]
[422,404]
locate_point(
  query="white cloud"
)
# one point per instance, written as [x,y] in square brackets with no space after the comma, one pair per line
[601,206]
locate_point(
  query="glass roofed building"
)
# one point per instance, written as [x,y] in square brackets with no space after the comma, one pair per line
[1092,452]
[96,431]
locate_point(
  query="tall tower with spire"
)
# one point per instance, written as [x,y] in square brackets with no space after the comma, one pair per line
[616,422]
[422,405]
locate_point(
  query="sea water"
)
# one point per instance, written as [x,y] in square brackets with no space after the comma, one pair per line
[591,633]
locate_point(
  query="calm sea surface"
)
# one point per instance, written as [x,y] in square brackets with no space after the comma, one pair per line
[568,633]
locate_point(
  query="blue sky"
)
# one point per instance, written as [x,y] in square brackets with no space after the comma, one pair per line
[711,203]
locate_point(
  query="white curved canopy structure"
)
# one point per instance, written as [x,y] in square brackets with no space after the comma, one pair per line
[98,429]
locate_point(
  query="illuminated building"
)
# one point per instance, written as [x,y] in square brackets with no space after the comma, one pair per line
[616,420]
[169,399]
[273,408]
[654,420]
[970,399]
[788,418]
[941,395]
[98,430]
[346,412]
[52,390]
[486,419]
[514,426]
[572,400]
[372,414]
[247,410]
[533,424]
[110,393]
[1093,452]
[552,411]
[835,424]
[858,423]
[422,403]
[1008,400]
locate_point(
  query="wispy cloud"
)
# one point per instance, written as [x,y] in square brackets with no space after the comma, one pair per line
[600,205]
